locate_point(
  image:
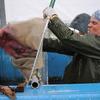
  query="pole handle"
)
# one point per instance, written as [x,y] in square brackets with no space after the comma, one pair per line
[52,3]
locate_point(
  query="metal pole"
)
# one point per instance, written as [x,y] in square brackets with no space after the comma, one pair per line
[52,3]
[2,14]
[41,41]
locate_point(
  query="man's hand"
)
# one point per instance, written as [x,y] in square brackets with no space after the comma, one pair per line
[48,12]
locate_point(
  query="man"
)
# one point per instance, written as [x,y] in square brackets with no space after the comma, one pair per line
[86,66]
[78,24]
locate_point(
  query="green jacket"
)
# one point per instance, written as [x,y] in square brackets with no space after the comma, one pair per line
[85,66]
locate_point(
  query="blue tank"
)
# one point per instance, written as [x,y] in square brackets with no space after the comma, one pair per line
[9,74]
[57,63]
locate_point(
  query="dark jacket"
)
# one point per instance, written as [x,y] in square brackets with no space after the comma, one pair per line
[85,66]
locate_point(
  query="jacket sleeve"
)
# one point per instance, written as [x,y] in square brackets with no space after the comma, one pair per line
[87,44]
[54,45]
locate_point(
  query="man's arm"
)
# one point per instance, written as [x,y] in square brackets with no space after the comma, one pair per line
[54,45]
[87,45]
